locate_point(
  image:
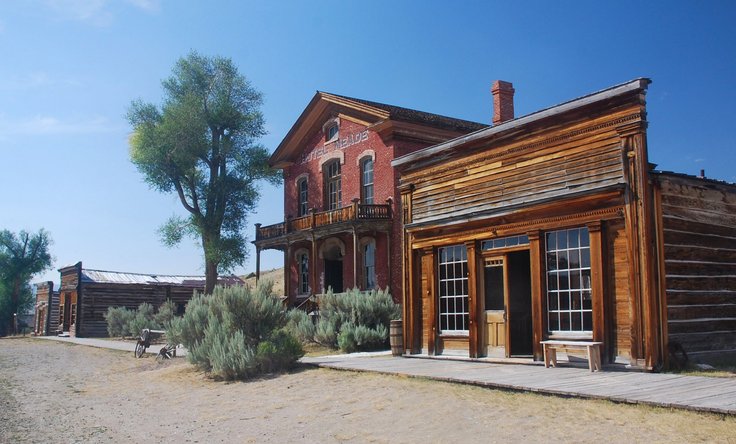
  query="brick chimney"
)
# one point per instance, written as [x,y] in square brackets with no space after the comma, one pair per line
[503,101]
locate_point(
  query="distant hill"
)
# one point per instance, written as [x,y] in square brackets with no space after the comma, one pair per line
[276,276]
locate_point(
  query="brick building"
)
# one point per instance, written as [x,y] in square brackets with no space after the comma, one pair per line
[341,199]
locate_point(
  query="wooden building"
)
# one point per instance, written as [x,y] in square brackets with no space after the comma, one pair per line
[555,225]
[46,309]
[339,228]
[86,294]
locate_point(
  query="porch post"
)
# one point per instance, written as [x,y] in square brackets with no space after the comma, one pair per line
[539,299]
[287,273]
[258,264]
[355,257]
[473,301]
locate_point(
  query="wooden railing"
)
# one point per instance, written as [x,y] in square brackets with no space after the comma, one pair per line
[316,219]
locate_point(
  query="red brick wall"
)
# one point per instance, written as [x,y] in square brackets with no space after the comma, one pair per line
[355,141]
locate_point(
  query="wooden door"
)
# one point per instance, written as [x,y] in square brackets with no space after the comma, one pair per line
[494,310]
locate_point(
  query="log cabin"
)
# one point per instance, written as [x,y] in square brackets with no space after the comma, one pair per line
[86,294]
[339,228]
[554,226]
[46,309]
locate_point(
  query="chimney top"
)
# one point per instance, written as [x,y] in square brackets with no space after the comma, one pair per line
[503,101]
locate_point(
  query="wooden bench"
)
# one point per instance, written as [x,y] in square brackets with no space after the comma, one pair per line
[593,349]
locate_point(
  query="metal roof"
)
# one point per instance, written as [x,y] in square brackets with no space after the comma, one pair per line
[118,277]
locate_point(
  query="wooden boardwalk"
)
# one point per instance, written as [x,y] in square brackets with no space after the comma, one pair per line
[697,393]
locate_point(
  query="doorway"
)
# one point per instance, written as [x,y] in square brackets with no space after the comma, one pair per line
[333,275]
[507,318]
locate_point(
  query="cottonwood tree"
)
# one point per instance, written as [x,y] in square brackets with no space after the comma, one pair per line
[22,255]
[202,145]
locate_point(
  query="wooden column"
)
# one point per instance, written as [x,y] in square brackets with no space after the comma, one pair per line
[474,309]
[313,266]
[539,296]
[355,258]
[640,236]
[258,264]
[598,283]
[287,274]
[429,296]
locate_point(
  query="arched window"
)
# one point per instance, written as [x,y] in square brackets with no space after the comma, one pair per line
[303,197]
[333,185]
[302,263]
[369,265]
[366,181]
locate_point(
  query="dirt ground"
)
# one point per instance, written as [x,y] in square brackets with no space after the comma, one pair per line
[60,393]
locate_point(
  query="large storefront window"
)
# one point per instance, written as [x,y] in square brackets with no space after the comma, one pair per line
[569,301]
[453,290]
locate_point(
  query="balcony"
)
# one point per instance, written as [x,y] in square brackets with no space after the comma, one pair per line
[325,219]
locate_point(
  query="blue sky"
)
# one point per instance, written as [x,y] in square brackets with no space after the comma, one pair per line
[70,68]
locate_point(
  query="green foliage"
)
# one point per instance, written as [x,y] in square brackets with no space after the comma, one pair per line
[165,314]
[22,255]
[355,320]
[144,318]
[237,333]
[299,325]
[118,321]
[201,145]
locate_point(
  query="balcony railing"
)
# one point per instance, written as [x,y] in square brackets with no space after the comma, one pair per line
[324,218]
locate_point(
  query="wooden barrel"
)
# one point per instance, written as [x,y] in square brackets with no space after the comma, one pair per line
[396,338]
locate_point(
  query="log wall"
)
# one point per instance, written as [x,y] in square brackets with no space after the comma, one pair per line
[98,297]
[699,228]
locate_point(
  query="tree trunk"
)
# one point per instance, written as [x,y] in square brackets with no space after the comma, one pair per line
[210,276]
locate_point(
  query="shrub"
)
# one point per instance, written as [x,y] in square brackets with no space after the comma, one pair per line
[236,333]
[165,314]
[118,319]
[143,318]
[355,320]
[299,325]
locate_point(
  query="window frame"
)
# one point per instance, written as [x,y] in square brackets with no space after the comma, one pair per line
[454,259]
[568,279]
[367,189]
[333,184]
[302,264]
[369,279]
[302,197]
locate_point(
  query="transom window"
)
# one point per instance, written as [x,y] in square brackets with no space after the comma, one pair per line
[503,242]
[569,300]
[302,261]
[366,169]
[333,185]
[303,197]
[453,289]
[369,265]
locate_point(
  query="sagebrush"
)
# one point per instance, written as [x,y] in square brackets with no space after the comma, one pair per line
[237,333]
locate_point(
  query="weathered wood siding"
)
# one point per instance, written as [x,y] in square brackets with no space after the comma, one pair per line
[618,288]
[699,226]
[98,297]
[551,164]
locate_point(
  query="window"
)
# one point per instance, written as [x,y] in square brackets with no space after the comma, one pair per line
[332,132]
[333,185]
[369,265]
[302,261]
[366,179]
[453,289]
[569,301]
[303,197]
[503,242]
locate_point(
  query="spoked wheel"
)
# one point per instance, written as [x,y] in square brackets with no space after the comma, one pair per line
[166,352]
[139,349]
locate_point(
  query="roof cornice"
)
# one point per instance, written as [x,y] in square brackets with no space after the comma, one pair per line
[515,124]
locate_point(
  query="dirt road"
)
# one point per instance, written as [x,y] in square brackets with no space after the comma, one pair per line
[59,393]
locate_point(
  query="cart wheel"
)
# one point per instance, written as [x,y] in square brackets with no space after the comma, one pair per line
[139,349]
